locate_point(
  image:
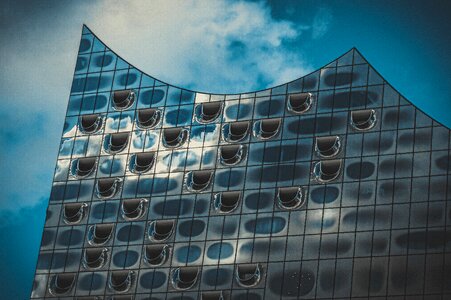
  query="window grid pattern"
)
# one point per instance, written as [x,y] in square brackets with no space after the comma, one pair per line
[380,229]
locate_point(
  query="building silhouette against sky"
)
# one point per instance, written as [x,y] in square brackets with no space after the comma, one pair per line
[329,186]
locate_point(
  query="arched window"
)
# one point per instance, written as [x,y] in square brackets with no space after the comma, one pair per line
[290,197]
[100,234]
[248,275]
[62,284]
[230,155]
[174,137]
[90,123]
[208,112]
[226,202]
[161,230]
[116,142]
[327,170]
[142,162]
[363,119]
[327,146]
[74,213]
[267,128]
[133,209]
[235,132]
[299,103]
[121,281]
[95,258]
[83,167]
[184,278]
[197,181]
[107,187]
[156,255]
[148,118]
[123,99]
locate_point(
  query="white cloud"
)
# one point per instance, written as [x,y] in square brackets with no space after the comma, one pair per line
[321,23]
[213,46]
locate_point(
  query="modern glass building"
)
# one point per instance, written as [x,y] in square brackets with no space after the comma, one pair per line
[329,186]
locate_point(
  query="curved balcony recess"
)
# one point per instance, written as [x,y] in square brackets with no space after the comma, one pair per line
[123,99]
[184,278]
[89,124]
[148,118]
[362,120]
[327,170]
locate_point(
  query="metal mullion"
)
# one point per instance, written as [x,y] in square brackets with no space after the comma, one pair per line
[249,134]
[200,268]
[174,242]
[280,134]
[144,222]
[80,181]
[292,182]
[375,206]
[428,200]
[107,266]
[212,197]
[358,194]
[443,283]
[315,117]
[323,205]
[392,196]
[410,206]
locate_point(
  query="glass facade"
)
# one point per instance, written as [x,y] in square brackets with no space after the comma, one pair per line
[330,186]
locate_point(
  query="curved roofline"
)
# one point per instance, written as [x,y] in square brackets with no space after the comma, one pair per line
[272,87]
[220,94]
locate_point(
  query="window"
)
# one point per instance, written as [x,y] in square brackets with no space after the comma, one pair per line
[327,146]
[226,202]
[123,297]
[327,170]
[290,197]
[83,167]
[156,255]
[212,296]
[299,103]
[61,284]
[97,298]
[95,258]
[184,278]
[235,132]
[123,99]
[148,118]
[133,209]
[141,162]
[230,155]
[100,234]
[197,181]
[174,137]
[90,123]
[266,129]
[160,230]
[121,281]
[208,112]
[116,142]
[107,187]
[248,275]
[363,119]
[73,213]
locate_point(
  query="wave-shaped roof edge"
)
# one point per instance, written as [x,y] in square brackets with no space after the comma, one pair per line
[354,50]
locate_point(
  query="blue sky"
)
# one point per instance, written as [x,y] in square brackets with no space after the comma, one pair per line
[219,46]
